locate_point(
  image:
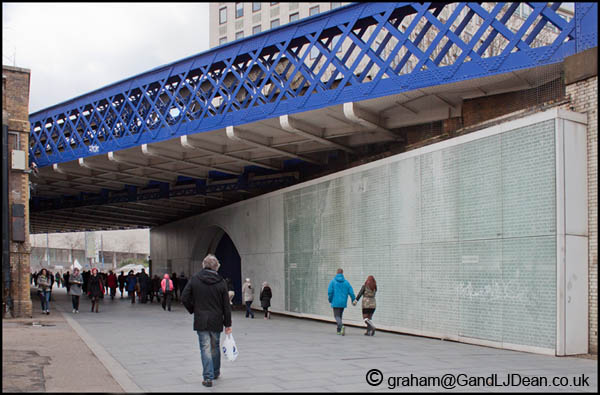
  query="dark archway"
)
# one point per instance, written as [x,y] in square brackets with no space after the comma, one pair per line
[231,265]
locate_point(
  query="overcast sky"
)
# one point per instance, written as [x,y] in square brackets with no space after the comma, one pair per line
[74,48]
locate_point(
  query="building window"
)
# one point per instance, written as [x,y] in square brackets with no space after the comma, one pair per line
[255,6]
[334,42]
[222,40]
[239,35]
[256,29]
[335,4]
[274,23]
[222,15]
[314,52]
[239,10]
[294,17]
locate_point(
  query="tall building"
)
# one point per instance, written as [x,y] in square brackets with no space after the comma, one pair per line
[232,21]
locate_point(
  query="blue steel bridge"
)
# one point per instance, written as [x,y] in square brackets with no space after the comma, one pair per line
[285,105]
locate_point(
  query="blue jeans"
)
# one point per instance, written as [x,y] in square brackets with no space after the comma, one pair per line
[337,314]
[249,310]
[45,300]
[210,352]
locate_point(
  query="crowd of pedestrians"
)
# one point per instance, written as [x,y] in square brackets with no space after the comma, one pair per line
[207,295]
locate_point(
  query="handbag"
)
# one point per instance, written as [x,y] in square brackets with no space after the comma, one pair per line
[229,348]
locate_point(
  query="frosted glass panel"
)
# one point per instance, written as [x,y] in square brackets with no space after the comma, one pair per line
[461,240]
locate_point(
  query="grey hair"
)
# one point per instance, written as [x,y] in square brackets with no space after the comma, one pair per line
[211,262]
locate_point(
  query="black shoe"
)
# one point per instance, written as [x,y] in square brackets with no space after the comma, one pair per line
[207,383]
[217,376]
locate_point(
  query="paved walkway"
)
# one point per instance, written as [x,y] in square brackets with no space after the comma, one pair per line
[149,350]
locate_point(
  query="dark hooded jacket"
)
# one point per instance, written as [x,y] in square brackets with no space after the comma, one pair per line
[206,296]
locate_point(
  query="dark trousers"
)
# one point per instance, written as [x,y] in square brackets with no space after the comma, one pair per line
[266,310]
[95,302]
[113,292]
[75,300]
[132,296]
[167,300]
[249,310]
[154,294]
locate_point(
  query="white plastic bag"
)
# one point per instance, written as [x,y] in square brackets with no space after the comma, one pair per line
[229,348]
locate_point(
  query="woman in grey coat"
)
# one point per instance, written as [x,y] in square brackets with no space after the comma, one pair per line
[368,291]
[44,287]
[75,280]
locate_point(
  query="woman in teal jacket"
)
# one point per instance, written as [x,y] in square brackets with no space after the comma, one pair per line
[338,292]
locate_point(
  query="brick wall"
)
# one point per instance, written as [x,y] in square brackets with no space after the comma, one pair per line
[484,108]
[15,114]
[584,99]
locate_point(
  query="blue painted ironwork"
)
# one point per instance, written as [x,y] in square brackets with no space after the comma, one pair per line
[132,194]
[363,53]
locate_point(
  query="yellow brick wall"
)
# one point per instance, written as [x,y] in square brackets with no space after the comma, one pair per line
[15,114]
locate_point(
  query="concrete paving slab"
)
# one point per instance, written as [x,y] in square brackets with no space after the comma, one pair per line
[293,354]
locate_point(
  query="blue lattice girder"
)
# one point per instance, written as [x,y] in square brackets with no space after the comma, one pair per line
[363,52]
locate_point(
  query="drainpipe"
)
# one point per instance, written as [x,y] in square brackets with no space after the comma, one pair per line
[5,224]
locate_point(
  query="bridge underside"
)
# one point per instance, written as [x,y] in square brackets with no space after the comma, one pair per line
[161,182]
[293,103]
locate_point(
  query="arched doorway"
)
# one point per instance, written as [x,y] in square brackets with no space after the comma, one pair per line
[231,265]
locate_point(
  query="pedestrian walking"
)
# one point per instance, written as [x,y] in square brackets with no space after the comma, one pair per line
[182,280]
[338,291]
[104,279]
[155,289]
[248,293]
[66,277]
[368,290]
[76,281]
[51,277]
[111,282]
[206,297]
[167,288]
[122,280]
[265,299]
[95,289]
[175,285]
[43,281]
[144,282]
[131,286]
[86,279]
[230,290]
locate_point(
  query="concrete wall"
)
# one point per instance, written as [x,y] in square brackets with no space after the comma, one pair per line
[582,90]
[255,227]
[285,239]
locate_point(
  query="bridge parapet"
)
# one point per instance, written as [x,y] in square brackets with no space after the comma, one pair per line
[357,52]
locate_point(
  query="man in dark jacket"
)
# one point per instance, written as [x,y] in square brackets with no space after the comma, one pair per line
[205,295]
[144,286]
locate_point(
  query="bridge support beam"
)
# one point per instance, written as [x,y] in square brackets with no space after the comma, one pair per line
[361,117]
[309,131]
[247,138]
